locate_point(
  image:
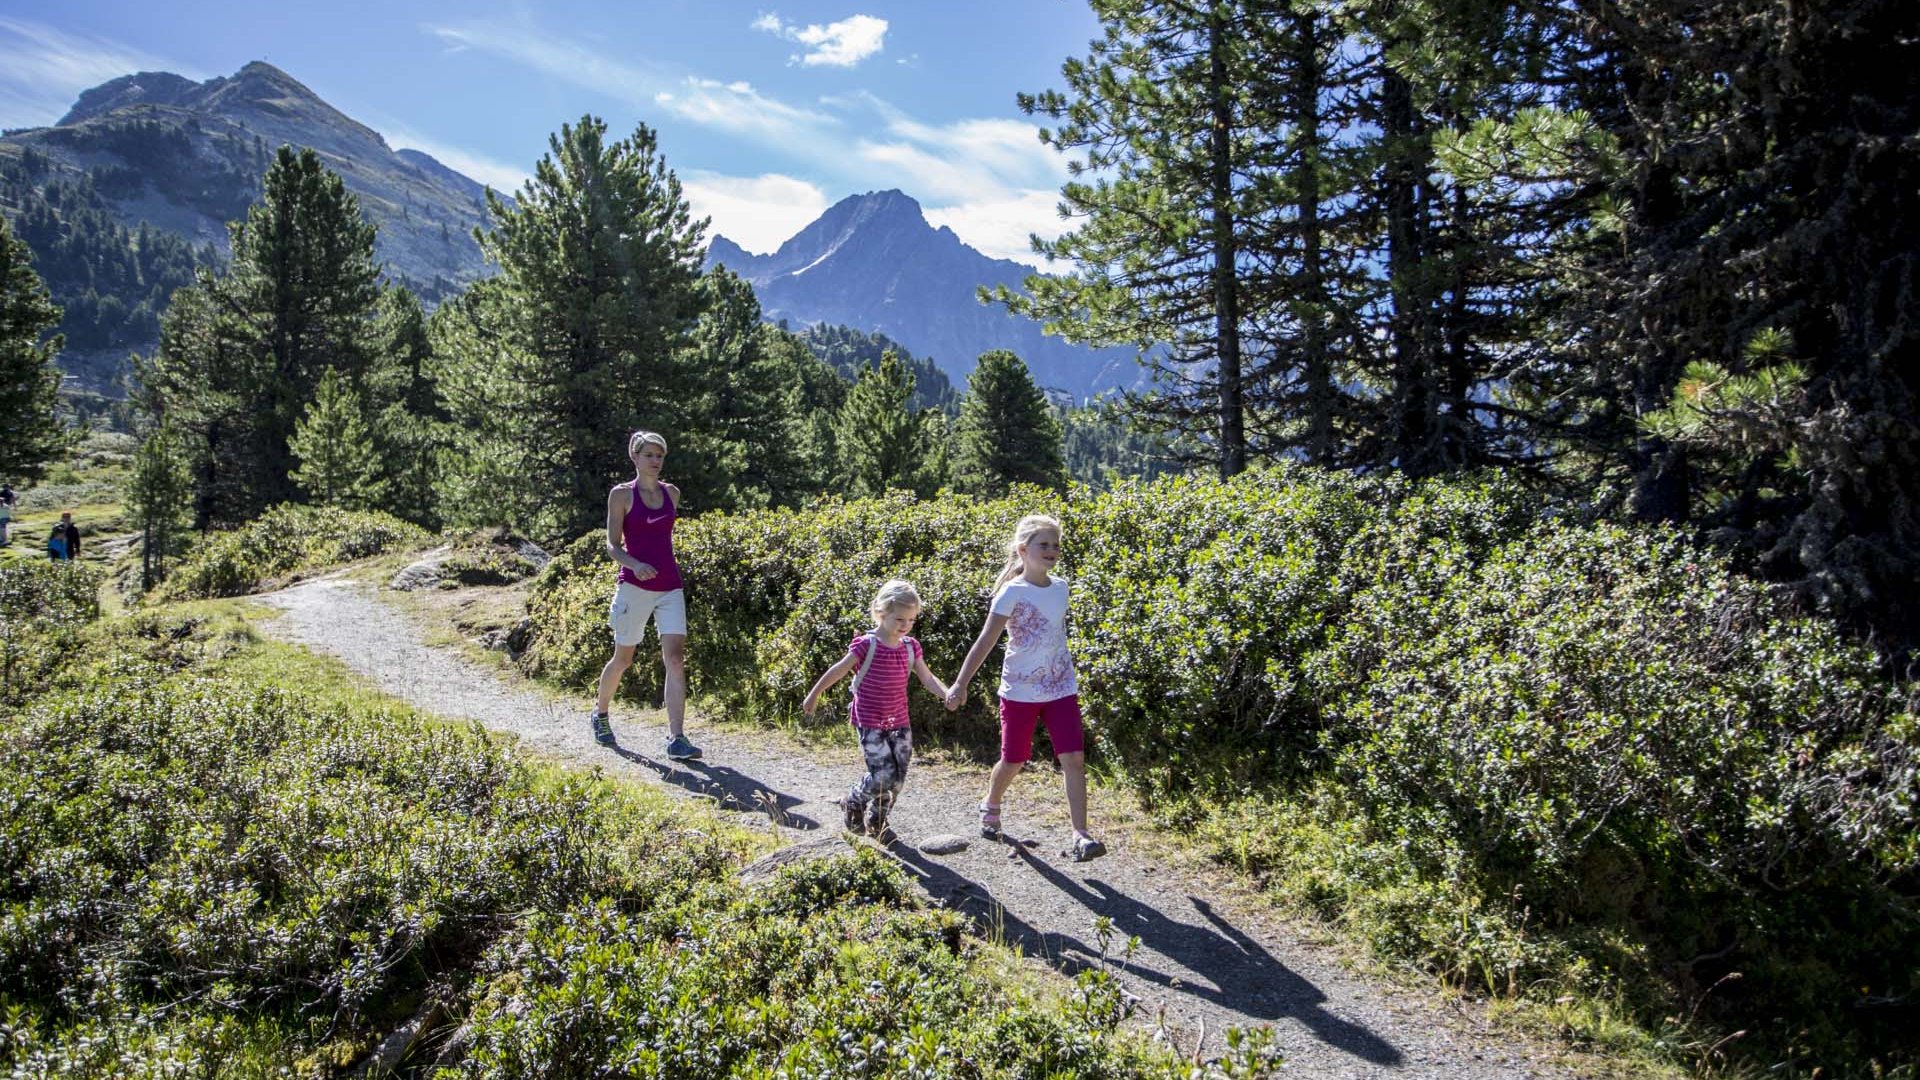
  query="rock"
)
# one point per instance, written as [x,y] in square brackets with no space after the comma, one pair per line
[519,638]
[944,844]
[424,574]
[766,866]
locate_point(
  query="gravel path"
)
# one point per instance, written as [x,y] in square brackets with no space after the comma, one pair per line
[1203,964]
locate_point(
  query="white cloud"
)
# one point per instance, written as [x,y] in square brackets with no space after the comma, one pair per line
[498,175]
[838,44]
[994,178]
[1001,227]
[756,212]
[734,107]
[968,160]
[42,70]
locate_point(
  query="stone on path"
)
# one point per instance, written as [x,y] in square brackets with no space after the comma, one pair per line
[944,844]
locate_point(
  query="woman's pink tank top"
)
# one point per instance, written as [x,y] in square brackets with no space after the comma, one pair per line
[648,536]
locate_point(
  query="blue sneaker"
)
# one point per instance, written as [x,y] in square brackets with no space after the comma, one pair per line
[681,748]
[602,728]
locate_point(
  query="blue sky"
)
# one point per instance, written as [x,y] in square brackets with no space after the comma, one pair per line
[769,113]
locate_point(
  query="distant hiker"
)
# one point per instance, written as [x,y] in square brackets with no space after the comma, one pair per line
[1037,680]
[6,514]
[63,540]
[640,517]
[880,663]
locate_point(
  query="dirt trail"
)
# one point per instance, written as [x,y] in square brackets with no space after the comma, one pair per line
[1201,960]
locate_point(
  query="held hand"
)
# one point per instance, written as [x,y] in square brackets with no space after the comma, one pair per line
[809,705]
[956,697]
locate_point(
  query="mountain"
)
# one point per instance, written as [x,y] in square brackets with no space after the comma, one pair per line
[159,156]
[872,262]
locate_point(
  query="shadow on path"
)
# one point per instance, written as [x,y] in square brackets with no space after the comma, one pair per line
[1245,976]
[730,788]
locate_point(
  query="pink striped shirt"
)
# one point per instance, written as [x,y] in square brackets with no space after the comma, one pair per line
[881,700]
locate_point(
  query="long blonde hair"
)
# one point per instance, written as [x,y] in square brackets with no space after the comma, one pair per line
[1029,526]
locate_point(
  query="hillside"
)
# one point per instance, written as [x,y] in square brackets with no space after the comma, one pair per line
[135,185]
[874,263]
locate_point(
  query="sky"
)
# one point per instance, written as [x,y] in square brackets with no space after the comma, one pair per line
[768,113]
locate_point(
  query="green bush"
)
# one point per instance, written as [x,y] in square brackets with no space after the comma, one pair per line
[189,853]
[285,539]
[43,606]
[1529,753]
[829,970]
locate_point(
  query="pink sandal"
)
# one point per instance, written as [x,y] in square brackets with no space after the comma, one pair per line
[990,821]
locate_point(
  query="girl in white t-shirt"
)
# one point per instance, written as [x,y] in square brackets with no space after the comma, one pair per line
[1037,681]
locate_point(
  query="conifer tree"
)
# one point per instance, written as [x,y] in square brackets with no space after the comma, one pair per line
[158,498]
[404,404]
[239,360]
[1159,112]
[339,464]
[749,448]
[882,442]
[1006,433]
[574,344]
[30,433]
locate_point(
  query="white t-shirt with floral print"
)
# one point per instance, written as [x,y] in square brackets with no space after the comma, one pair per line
[1037,666]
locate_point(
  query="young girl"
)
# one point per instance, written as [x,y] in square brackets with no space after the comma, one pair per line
[880,663]
[1037,681]
[640,517]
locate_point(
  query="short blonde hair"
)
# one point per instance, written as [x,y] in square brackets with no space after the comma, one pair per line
[894,594]
[642,438]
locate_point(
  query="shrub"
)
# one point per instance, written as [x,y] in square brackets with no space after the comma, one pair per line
[188,853]
[43,606]
[1524,751]
[285,539]
[829,970]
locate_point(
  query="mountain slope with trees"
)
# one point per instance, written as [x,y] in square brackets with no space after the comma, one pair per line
[131,192]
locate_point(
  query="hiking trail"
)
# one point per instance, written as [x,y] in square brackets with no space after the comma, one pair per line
[1205,961]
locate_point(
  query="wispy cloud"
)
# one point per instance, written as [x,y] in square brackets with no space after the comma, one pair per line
[991,180]
[756,212]
[501,176]
[964,160]
[1002,227]
[838,44]
[43,69]
[734,107]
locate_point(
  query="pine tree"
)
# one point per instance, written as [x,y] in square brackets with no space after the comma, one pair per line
[1159,114]
[882,443]
[339,464]
[30,433]
[1006,433]
[575,344]
[158,498]
[408,418]
[240,363]
[749,446]
[1766,193]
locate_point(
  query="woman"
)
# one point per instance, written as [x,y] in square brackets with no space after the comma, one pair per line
[640,517]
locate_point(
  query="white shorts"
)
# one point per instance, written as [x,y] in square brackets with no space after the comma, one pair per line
[633,605]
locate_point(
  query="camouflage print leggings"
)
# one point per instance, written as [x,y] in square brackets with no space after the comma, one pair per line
[887,752]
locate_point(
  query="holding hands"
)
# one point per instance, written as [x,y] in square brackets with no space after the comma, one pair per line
[956,695]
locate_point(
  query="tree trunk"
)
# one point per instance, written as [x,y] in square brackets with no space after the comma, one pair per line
[1226,294]
[1317,373]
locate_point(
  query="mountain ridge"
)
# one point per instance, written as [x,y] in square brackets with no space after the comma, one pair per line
[872,261]
[155,149]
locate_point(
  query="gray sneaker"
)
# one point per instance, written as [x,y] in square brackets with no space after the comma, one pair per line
[602,728]
[681,748]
